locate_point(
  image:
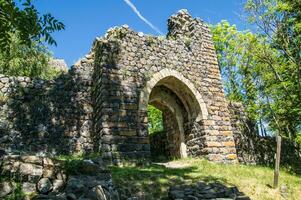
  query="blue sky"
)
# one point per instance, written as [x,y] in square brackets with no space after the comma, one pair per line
[86,19]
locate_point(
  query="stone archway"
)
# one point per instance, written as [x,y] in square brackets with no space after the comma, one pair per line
[131,70]
[182,106]
[196,103]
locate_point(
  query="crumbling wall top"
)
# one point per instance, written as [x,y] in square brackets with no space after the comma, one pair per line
[182,24]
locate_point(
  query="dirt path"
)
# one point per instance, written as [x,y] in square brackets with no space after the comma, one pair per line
[174,164]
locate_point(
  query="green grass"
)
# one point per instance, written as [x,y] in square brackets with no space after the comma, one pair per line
[73,163]
[152,182]
[17,194]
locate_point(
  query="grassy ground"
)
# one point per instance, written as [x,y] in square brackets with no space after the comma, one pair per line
[152,182]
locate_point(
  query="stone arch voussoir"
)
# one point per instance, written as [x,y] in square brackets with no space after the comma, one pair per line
[145,93]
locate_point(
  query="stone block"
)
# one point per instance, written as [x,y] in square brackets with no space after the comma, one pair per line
[213,144]
[226,133]
[128,133]
[31,169]
[47,162]
[28,188]
[32,159]
[44,186]
[216,157]
[228,144]
[6,188]
[231,156]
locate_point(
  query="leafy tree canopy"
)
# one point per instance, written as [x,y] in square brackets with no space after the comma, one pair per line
[263,69]
[23,33]
[23,60]
[155,119]
[22,18]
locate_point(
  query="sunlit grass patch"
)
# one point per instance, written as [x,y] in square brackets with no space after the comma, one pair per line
[152,182]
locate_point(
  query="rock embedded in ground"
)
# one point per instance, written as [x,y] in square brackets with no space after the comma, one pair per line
[44,186]
[5,188]
[31,169]
[58,185]
[28,187]
[89,167]
[98,193]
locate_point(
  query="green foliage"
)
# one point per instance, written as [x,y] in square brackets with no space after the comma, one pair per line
[24,19]
[263,70]
[22,33]
[236,55]
[17,194]
[187,42]
[155,119]
[30,61]
[3,98]
[279,22]
[298,139]
[73,163]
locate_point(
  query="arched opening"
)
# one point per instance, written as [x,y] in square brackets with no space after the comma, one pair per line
[169,141]
[181,106]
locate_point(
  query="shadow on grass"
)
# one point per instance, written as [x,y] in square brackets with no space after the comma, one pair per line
[153,182]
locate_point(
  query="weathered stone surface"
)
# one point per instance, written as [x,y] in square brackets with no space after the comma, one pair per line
[28,187]
[59,64]
[93,179]
[32,159]
[44,186]
[90,168]
[98,187]
[58,185]
[5,188]
[21,169]
[256,149]
[98,193]
[31,169]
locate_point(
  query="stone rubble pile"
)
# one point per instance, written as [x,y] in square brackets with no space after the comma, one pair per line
[45,178]
[59,64]
[203,191]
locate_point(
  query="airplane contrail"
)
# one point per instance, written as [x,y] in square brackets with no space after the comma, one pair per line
[133,7]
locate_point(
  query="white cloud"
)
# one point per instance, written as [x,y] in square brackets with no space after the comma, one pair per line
[133,7]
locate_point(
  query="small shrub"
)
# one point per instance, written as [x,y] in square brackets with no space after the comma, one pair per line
[187,42]
[73,163]
[150,41]
[155,119]
[3,98]
[17,194]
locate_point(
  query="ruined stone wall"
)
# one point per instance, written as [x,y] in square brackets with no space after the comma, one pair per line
[47,178]
[252,148]
[100,104]
[127,60]
[158,143]
[172,133]
[47,117]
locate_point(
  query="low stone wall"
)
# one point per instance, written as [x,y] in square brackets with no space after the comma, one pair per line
[45,178]
[46,117]
[252,148]
[35,174]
